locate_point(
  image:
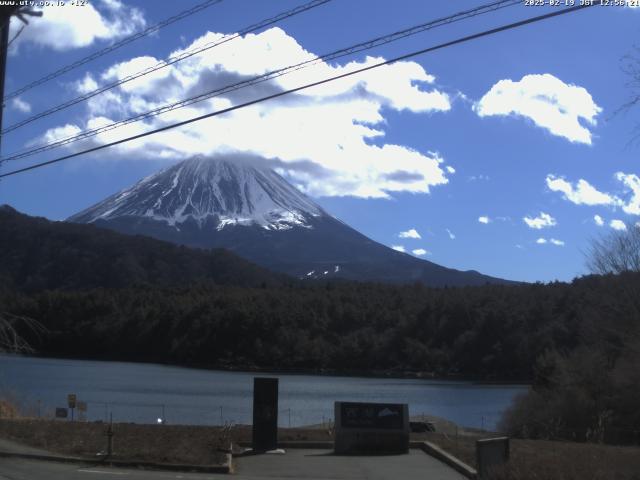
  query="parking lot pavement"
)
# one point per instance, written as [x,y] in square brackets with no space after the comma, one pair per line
[322,464]
[296,463]
[24,469]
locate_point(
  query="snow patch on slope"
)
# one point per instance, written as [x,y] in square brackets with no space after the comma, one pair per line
[235,193]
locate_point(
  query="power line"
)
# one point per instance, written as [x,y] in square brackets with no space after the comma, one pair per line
[16,35]
[125,41]
[308,85]
[378,41]
[170,61]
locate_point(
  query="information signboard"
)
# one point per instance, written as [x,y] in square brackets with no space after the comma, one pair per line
[372,415]
[371,427]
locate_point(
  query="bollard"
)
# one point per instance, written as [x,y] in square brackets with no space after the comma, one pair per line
[491,453]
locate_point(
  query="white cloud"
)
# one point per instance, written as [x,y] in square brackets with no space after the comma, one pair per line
[560,108]
[544,220]
[63,27]
[617,224]
[398,248]
[484,219]
[21,105]
[419,252]
[411,233]
[632,182]
[86,85]
[474,178]
[598,220]
[59,133]
[450,169]
[583,193]
[319,138]
[144,85]
[451,235]
[552,241]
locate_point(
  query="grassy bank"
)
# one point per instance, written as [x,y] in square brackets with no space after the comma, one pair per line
[550,460]
[131,442]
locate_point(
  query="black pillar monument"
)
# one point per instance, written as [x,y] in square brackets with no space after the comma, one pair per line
[265,414]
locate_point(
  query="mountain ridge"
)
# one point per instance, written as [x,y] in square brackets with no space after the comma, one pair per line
[255,213]
[38,254]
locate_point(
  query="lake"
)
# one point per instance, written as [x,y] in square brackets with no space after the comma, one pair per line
[138,392]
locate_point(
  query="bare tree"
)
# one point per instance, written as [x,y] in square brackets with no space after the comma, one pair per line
[617,252]
[10,340]
[631,67]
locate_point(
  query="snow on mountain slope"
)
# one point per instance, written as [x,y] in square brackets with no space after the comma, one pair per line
[234,191]
[253,212]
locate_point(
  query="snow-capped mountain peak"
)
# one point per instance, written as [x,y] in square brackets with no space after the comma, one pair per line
[232,192]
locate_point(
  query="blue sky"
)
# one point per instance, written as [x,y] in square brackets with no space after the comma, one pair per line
[503,155]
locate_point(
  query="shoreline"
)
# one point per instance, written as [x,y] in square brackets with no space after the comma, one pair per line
[381,374]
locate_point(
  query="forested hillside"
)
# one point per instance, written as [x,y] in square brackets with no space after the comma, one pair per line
[491,332]
[37,254]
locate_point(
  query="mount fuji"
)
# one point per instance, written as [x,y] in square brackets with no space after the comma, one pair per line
[252,211]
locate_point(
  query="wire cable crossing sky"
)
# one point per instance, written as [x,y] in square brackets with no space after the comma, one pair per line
[170,61]
[303,87]
[125,41]
[363,46]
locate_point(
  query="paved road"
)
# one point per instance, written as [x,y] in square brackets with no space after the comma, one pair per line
[298,464]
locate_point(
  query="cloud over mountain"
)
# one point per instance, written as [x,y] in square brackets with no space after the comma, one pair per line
[411,233]
[336,129]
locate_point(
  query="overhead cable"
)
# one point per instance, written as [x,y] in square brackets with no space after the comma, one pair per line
[457,41]
[163,64]
[367,45]
[121,43]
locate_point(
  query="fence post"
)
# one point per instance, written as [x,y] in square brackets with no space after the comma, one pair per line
[110,437]
[457,452]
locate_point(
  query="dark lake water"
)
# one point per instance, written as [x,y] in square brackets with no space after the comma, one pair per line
[145,392]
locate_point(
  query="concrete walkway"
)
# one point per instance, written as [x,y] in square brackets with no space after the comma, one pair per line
[322,464]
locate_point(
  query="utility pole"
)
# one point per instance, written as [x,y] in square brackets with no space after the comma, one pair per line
[6,11]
